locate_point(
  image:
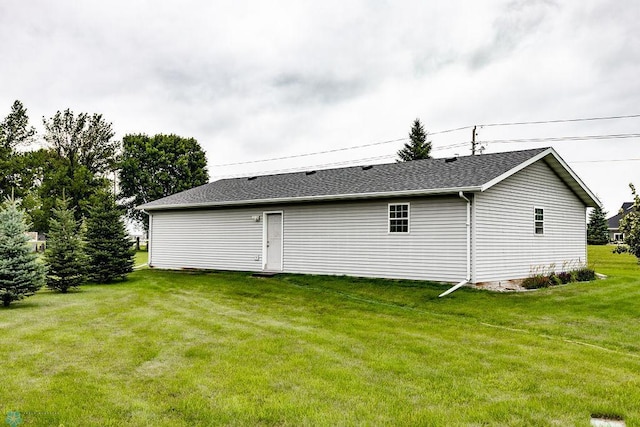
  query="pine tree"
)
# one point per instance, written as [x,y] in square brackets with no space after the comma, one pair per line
[65,255]
[108,247]
[597,229]
[418,147]
[630,225]
[21,274]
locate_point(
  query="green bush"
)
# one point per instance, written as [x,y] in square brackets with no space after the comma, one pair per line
[621,249]
[585,274]
[536,281]
[566,277]
[554,280]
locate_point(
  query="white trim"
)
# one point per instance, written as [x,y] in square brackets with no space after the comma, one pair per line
[389,218]
[536,221]
[149,241]
[264,238]
[351,196]
[548,152]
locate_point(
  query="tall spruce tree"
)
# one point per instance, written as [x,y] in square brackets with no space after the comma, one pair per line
[21,274]
[65,256]
[108,247]
[418,147]
[597,228]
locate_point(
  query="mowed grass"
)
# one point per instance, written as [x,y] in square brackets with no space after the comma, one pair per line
[184,349]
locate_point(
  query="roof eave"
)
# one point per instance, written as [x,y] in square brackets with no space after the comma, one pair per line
[333,197]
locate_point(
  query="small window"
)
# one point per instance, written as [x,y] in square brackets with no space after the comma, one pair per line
[538,220]
[399,218]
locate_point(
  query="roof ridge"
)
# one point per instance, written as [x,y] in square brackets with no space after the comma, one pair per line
[374,165]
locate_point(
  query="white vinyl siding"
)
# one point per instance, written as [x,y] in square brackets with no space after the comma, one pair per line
[506,245]
[228,239]
[352,238]
[339,238]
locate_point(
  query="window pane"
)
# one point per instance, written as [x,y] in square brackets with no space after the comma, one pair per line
[399,218]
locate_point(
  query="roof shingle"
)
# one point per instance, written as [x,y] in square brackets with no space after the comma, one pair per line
[430,174]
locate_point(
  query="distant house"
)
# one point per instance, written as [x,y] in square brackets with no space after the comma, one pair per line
[614,223]
[485,218]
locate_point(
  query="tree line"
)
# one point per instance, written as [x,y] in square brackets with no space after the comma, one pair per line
[77,154]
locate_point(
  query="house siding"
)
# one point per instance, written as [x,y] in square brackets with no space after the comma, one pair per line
[226,239]
[349,238]
[505,244]
[353,239]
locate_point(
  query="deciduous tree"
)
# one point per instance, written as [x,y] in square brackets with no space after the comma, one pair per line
[630,225]
[158,166]
[83,140]
[14,131]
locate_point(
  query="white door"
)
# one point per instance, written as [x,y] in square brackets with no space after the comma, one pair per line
[274,242]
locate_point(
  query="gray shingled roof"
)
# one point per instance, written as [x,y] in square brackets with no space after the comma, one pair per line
[614,221]
[467,173]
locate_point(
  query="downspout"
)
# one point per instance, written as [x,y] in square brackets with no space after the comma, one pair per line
[468,277]
[149,245]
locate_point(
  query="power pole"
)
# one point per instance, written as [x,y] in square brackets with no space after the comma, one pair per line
[473,141]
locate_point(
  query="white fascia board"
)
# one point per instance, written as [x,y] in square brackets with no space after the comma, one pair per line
[588,195]
[355,196]
[513,171]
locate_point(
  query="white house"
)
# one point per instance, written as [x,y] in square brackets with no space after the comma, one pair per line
[485,218]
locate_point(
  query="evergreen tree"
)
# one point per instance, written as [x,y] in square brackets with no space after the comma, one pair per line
[108,247]
[630,225]
[21,274]
[597,229]
[418,147]
[65,255]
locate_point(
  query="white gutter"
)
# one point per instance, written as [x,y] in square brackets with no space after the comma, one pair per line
[468,278]
[330,197]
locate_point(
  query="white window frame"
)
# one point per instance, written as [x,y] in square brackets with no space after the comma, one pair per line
[536,221]
[618,237]
[408,218]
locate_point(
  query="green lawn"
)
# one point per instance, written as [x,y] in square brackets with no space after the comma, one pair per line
[185,349]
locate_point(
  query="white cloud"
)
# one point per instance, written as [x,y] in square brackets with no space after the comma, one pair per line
[252,79]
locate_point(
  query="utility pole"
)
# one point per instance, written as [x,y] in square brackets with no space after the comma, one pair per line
[473,141]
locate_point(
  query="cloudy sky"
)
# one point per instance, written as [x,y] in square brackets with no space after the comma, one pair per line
[257,80]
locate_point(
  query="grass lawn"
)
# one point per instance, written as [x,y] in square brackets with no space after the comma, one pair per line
[184,349]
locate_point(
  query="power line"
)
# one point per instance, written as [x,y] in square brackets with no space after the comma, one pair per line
[448,131]
[336,150]
[563,138]
[311,154]
[587,119]
[309,168]
[606,160]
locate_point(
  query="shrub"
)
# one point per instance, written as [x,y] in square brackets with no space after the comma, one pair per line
[621,249]
[585,274]
[566,277]
[536,281]
[554,280]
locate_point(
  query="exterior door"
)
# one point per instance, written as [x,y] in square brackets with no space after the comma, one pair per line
[273,244]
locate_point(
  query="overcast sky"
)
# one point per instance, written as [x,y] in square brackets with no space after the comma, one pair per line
[255,80]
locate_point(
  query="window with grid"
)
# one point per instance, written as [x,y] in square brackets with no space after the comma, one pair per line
[538,220]
[399,218]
